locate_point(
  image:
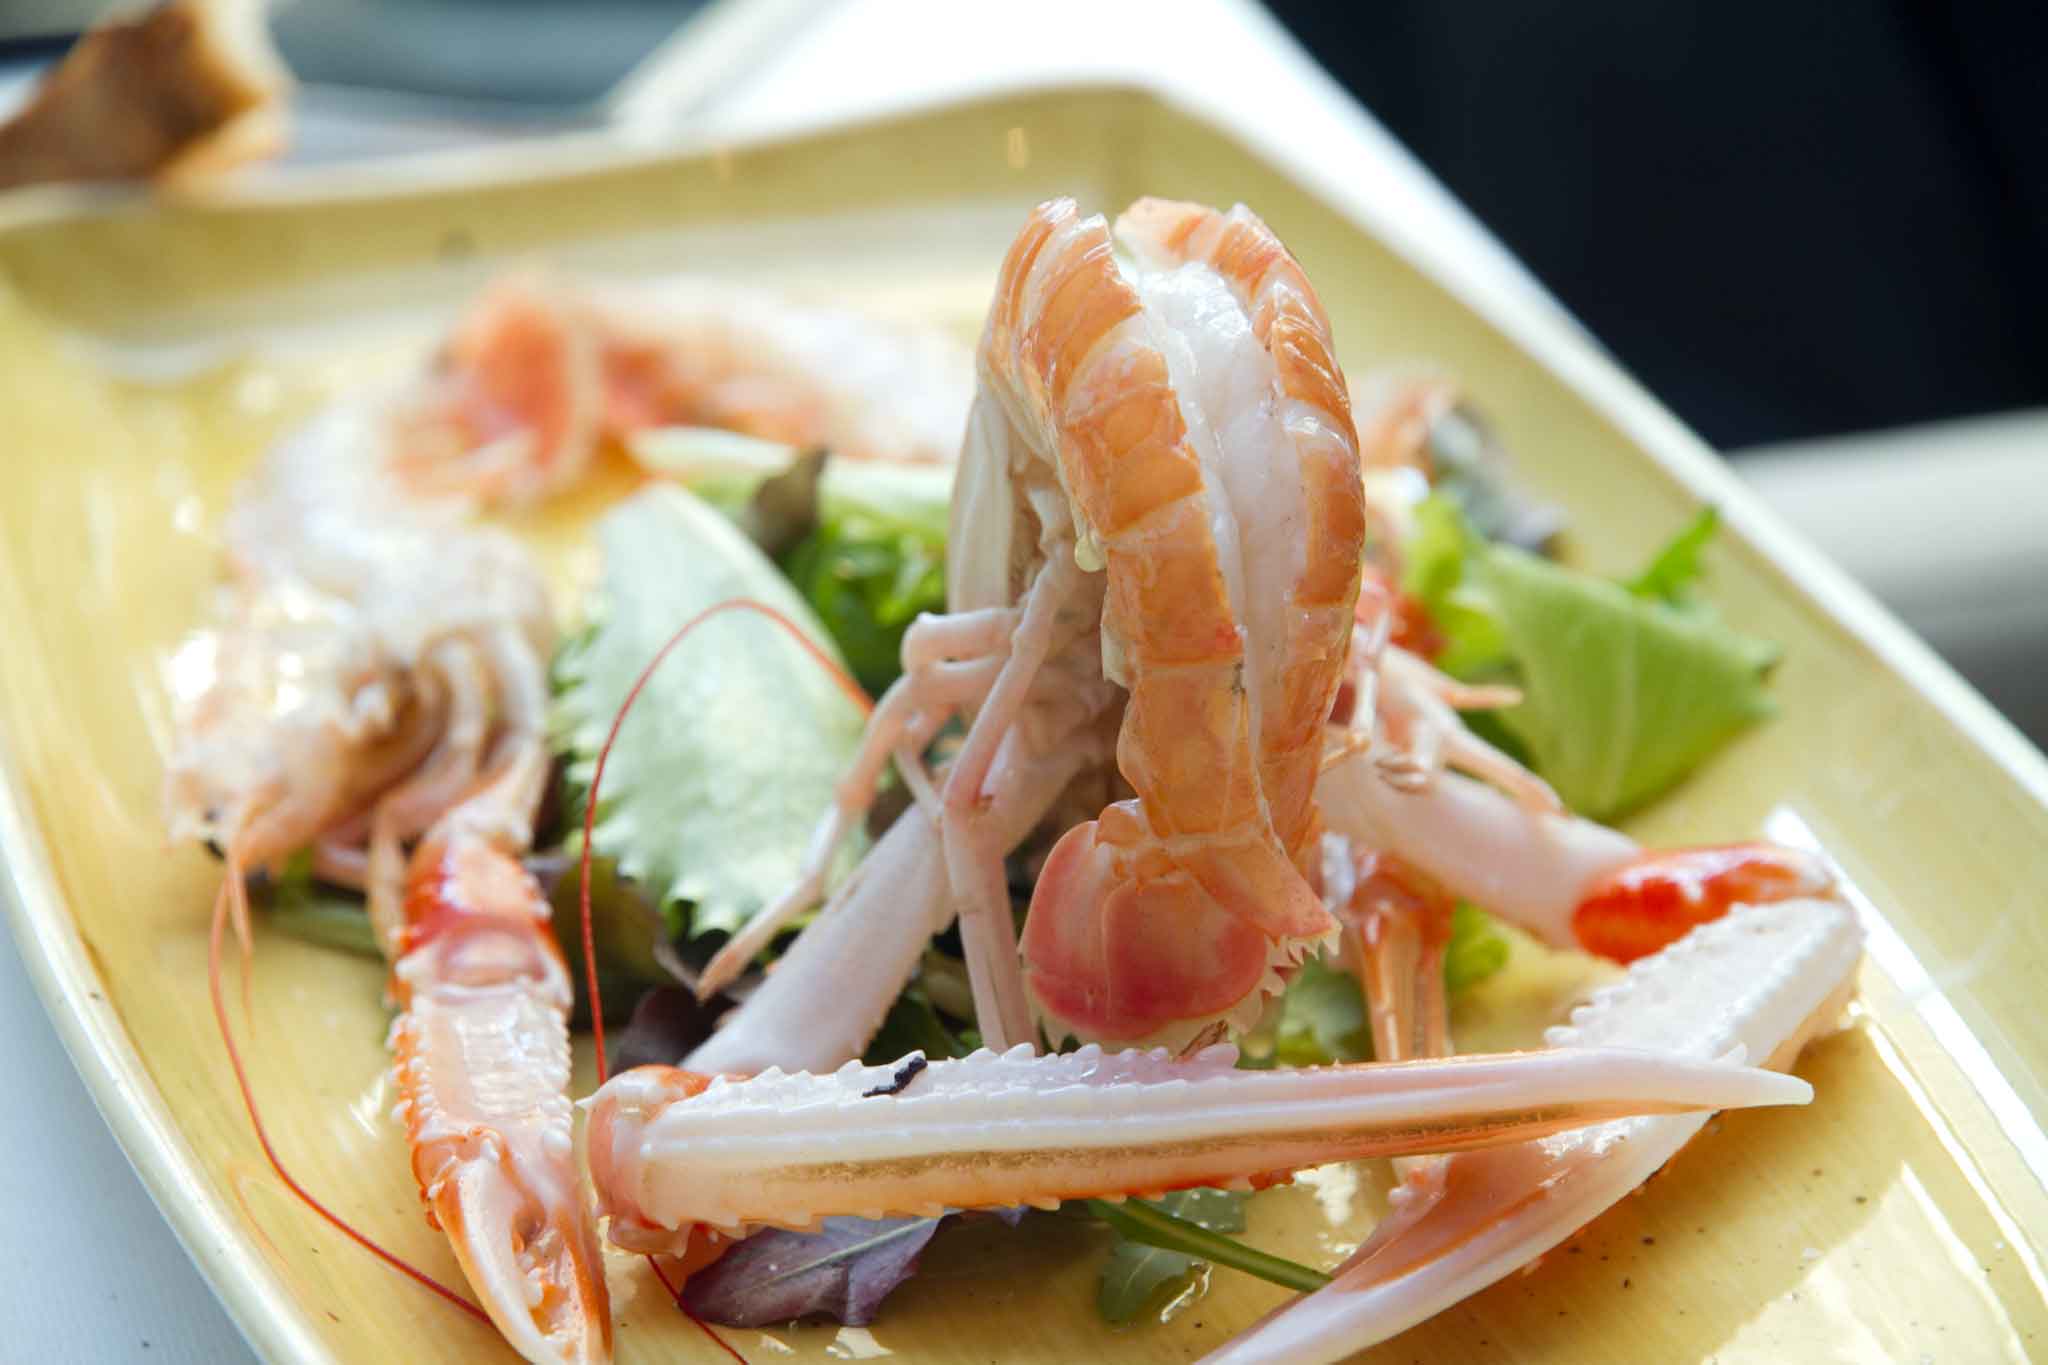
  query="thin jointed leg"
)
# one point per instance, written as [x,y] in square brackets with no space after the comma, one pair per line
[973,842]
[949,662]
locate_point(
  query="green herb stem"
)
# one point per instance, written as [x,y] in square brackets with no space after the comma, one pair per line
[1139,1221]
[330,923]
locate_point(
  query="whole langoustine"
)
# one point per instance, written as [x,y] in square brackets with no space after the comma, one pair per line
[1158,521]
[1126,380]
[379,676]
[539,372]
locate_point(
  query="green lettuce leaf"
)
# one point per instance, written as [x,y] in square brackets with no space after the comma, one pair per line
[868,576]
[1623,696]
[733,750]
[1437,573]
[1322,1018]
[1675,572]
[1476,950]
[1137,1273]
[1627,688]
[863,540]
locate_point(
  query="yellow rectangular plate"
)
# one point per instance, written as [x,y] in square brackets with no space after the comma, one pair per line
[1900,1217]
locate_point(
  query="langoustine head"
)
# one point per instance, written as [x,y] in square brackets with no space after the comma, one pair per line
[291,719]
[1193,410]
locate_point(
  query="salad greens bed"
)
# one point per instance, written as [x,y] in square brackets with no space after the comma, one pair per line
[735,745]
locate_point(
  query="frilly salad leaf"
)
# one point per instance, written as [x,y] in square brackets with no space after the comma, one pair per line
[627,929]
[663,1026]
[869,575]
[842,1271]
[1322,1018]
[1675,572]
[734,747]
[1627,688]
[863,540]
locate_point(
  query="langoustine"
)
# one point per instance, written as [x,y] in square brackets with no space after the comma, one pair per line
[389,682]
[1121,516]
[538,373]
[1390,791]
[1225,505]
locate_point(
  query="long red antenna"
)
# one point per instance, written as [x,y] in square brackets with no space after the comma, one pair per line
[227,1036]
[225,899]
[846,684]
[810,647]
[706,1328]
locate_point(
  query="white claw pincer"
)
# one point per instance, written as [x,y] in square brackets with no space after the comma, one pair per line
[1764,979]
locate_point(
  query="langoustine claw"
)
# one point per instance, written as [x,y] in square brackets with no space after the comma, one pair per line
[482,1046]
[1570,882]
[1764,979]
[670,1149]
[1655,900]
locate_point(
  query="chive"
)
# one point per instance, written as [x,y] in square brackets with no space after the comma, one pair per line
[330,923]
[1138,1221]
